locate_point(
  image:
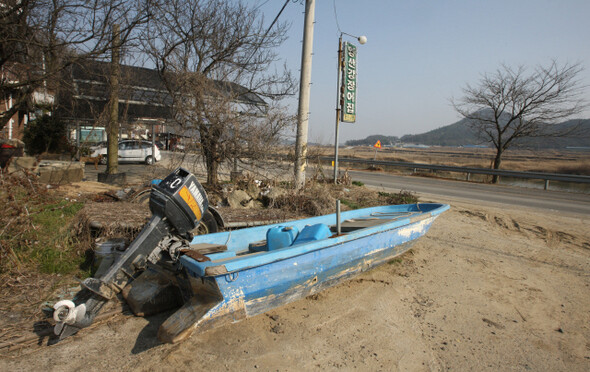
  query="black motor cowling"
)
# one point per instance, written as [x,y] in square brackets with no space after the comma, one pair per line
[181,199]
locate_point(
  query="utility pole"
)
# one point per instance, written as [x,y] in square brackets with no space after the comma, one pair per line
[113,131]
[304,94]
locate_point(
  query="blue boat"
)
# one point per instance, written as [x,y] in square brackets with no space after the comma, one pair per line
[252,276]
[221,278]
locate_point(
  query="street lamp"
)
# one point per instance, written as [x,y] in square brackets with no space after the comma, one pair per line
[361,40]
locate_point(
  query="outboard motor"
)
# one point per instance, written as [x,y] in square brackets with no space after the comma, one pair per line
[177,205]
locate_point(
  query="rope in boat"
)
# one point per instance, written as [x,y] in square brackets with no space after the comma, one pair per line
[228,238]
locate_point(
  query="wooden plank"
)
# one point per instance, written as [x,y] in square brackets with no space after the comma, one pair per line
[183,322]
[215,270]
[352,225]
[206,248]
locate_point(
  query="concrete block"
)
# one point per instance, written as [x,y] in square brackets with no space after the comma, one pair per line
[60,172]
[113,179]
[22,162]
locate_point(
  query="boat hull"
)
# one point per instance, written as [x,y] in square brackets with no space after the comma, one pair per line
[232,295]
[270,286]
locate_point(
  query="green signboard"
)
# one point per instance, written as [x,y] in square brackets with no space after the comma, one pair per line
[91,135]
[348,99]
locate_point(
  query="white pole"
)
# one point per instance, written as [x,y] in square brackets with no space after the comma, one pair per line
[338,93]
[304,94]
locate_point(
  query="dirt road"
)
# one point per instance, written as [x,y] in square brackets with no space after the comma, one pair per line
[486,289]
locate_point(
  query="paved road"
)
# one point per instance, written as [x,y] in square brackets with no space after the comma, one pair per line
[501,194]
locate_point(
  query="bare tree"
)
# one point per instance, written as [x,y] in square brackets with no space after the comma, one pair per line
[40,38]
[217,60]
[511,104]
[254,140]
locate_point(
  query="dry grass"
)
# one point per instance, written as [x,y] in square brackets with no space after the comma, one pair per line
[550,161]
[39,252]
[579,169]
[314,200]
[319,198]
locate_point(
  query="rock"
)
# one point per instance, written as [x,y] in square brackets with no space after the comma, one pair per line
[271,195]
[253,190]
[238,198]
[226,189]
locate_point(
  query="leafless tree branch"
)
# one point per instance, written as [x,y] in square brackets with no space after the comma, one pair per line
[511,104]
[217,60]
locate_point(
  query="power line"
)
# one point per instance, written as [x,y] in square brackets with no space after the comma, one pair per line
[336,16]
[268,30]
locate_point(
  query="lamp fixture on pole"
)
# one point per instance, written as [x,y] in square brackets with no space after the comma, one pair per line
[339,97]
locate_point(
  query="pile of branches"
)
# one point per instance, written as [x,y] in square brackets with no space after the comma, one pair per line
[112,220]
[315,200]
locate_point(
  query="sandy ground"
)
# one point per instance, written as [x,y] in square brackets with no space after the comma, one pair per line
[488,288]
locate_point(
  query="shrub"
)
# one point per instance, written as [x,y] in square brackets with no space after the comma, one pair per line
[402,197]
[350,204]
[46,134]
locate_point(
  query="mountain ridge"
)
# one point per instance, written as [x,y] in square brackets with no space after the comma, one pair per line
[460,134]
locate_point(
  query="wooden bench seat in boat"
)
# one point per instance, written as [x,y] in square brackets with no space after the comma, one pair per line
[221,255]
[357,224]
[207,248]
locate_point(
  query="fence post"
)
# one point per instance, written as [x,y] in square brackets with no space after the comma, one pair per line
[546,184]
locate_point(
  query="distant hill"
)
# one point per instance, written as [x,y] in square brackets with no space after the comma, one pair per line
[371,140]
[581,138]
[460,134]
[457,134]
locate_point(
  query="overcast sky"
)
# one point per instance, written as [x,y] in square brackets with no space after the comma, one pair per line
[420,53]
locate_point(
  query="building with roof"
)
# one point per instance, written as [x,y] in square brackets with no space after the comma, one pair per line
[12,90]
[144,102]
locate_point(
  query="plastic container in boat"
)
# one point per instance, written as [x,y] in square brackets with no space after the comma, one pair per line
[312,233]
[280,237]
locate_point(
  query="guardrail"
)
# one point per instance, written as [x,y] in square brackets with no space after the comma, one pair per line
[468,171]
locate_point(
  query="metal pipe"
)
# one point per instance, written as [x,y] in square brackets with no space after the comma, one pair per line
[337,109]
[338,225]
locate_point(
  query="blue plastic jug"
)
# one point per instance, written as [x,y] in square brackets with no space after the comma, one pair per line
[280,237]
[312,233]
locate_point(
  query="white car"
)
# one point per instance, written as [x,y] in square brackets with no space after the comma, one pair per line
[131,151]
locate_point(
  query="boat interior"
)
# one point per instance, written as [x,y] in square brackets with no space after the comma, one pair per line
[287,235]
